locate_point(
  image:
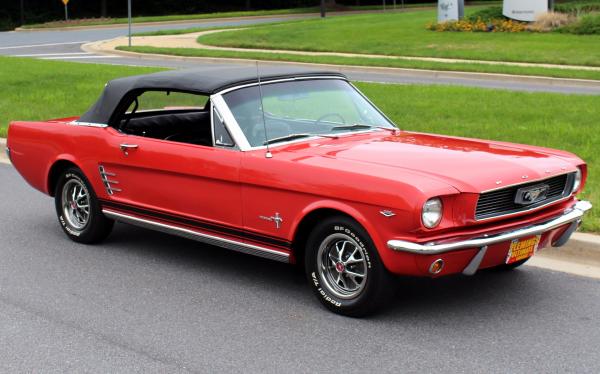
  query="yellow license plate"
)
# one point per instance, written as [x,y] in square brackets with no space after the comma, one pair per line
[521,249]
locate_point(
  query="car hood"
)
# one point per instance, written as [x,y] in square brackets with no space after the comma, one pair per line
[469,165]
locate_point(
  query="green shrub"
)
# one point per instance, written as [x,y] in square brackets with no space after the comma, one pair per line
[586,25]
[486,14]
[578,7]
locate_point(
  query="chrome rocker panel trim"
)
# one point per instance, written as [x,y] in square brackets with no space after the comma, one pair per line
[194,235]
[573,214]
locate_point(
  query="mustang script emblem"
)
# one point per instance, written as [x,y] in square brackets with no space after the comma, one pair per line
[530,195]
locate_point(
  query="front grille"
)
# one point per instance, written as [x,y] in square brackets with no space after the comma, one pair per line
[502,201]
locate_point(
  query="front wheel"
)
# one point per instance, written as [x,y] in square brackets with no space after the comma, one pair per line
[344,269]
[78,210]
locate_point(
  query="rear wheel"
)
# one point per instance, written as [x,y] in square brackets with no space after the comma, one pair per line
[78,210]
[344,269]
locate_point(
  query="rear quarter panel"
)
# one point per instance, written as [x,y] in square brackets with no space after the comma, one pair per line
[37,146]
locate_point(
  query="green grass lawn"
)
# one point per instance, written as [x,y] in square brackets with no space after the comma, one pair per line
[36,89]
[39,90]
[376,62]
[404,34]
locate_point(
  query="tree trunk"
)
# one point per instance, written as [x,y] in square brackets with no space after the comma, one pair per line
[248,5]
[103,9]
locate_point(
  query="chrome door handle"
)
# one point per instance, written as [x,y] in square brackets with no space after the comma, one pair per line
[126,147]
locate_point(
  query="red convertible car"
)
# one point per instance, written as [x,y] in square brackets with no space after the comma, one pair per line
[298,166]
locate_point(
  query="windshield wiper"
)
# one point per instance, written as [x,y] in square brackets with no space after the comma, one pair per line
[359,126]
[356,126]
[297,136]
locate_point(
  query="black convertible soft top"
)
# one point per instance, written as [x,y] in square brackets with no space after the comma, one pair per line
[206,81]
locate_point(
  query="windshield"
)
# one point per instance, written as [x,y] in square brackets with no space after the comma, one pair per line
[302,108]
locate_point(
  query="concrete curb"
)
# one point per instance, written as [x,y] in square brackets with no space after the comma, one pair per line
[99,48]
[3,158]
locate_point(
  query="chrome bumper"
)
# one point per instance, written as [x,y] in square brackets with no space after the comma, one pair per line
[573,214]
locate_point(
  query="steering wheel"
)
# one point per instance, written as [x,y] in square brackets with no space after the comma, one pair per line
[320,119]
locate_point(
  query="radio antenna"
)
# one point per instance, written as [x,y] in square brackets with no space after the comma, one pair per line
[262,106]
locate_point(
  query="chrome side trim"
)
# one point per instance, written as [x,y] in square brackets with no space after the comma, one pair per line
[88,124]
[108,183]
[194,235]
[573,214]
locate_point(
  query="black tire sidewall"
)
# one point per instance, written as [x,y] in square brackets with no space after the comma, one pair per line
[371,296]
[96,223]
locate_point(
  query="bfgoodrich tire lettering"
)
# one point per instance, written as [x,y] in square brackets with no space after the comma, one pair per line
[78,210]
[343,268]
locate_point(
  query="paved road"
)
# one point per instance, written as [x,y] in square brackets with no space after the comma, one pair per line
[148,302]
[66,45]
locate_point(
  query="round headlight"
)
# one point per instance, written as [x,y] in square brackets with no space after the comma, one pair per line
[432,212]
[576,180]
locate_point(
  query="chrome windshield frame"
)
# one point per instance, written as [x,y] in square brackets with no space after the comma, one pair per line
[240,138]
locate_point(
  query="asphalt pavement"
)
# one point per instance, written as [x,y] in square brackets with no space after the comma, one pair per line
[66,45]
[148,302]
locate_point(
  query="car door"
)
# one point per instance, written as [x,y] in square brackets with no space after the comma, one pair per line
[188,185]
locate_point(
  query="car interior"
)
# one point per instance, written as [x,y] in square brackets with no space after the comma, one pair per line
[153,114]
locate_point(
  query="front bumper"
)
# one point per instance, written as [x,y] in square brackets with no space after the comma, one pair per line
[572,216]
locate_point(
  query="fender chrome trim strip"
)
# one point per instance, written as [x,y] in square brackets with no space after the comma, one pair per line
[573,214]
[201,237]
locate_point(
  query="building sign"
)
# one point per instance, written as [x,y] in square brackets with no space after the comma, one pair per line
[450,10]
[524,10]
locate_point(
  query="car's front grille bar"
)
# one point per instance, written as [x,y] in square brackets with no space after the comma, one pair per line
[502,201]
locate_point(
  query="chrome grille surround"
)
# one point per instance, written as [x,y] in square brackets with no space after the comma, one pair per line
[501,201]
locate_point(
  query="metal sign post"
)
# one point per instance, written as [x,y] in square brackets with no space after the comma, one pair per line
[129,19]
[22,13]
[66,2]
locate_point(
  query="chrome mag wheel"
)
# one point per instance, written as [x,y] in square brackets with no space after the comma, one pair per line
[76,204]
[342,266]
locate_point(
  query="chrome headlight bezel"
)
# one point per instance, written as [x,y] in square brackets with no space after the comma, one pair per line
[432,212]
[577,178]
